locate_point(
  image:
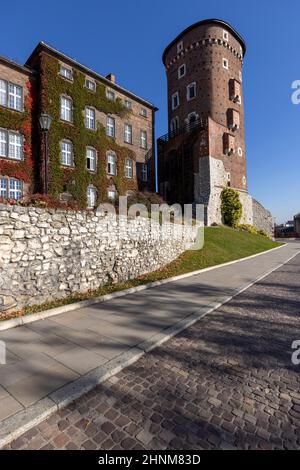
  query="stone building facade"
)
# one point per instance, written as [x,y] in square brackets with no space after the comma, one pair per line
[204,149]
[101,140]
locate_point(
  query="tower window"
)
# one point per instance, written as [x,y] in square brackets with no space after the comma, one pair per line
[240,152]
[225,35]
[175,100]
[244,180]
[174,124]
[225,64]
[179,47]
[181,71]
[191,91]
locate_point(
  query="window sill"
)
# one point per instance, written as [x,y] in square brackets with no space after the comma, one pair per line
[12,159]
[12,109]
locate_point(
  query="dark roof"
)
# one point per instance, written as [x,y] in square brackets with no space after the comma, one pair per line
[203,22]
[16,66]
[297,216]
[43,46]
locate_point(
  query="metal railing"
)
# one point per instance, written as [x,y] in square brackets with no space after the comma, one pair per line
[198,125]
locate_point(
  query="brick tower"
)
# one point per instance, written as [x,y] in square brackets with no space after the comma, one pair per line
[204,149]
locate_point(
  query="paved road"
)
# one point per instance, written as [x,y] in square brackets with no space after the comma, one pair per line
[226,382]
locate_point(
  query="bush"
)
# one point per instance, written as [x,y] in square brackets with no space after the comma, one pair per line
[231,207]
[144,197]
[250,229]
[43,201]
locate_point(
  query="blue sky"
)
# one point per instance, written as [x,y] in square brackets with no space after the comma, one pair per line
[128,38]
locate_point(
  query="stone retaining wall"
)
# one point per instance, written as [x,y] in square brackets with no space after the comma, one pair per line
[48,254]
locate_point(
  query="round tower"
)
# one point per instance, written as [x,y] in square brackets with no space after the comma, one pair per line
[204,75]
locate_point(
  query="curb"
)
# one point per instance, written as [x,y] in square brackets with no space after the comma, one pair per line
[18,424]
[7,324]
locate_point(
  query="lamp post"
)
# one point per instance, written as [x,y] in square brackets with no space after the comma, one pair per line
[45,123]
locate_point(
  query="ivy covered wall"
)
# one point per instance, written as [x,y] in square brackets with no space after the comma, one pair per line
[75,180]
[20,122]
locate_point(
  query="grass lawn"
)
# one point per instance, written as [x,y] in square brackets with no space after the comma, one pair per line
[222,244]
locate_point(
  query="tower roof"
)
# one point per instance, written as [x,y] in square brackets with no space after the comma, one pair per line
[203,22]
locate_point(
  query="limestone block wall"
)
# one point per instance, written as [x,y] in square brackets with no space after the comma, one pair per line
[48,254]
[262,218]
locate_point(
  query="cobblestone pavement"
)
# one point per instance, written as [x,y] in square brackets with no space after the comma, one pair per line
[227,382]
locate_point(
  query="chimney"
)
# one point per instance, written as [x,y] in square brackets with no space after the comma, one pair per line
[111,77]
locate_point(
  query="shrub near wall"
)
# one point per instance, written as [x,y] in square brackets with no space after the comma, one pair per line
[76,180]
[49,254]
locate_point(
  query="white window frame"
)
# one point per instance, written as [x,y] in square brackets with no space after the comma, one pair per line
[128,104]
[110,95]
[190,87]
[225,63]
[110,126]
[175,95]
[66,72]
[91,157]
[91,195]
[11,95]
[180,75]
[228,175]
[240,152]
[11,188]
[66,153]
[90,118]
[11,145]
[179,47]
[225,35]
[128,133]
[143,112]
[143,139]
[144,172]
[244,181]
[90,85]
[129,168]
[111,164]
[112,194]
[66,108]
[172,122]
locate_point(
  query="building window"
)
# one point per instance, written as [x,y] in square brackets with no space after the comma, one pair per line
[144,172]
[111,194]
[225,64]
[128,104]
[11,145]
[175,100]
[91,197]
[91,158]
[244,180]
[181,71]
[225,35]
[110,95]
[110,126]
[144,143]
[179,47]
[191,91]
[143,112]
[90,84]
[11,96]
[11,188]
[128,133]
[111,164]
[228,177]
[66,108]
[129,168]
[174,125]
[66,153]
[90,118]
[240,152]
[66,72]
[192,119]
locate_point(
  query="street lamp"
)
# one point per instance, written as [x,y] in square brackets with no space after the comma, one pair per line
[45,123]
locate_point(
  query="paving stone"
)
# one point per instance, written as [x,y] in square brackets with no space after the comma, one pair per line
[224,383]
